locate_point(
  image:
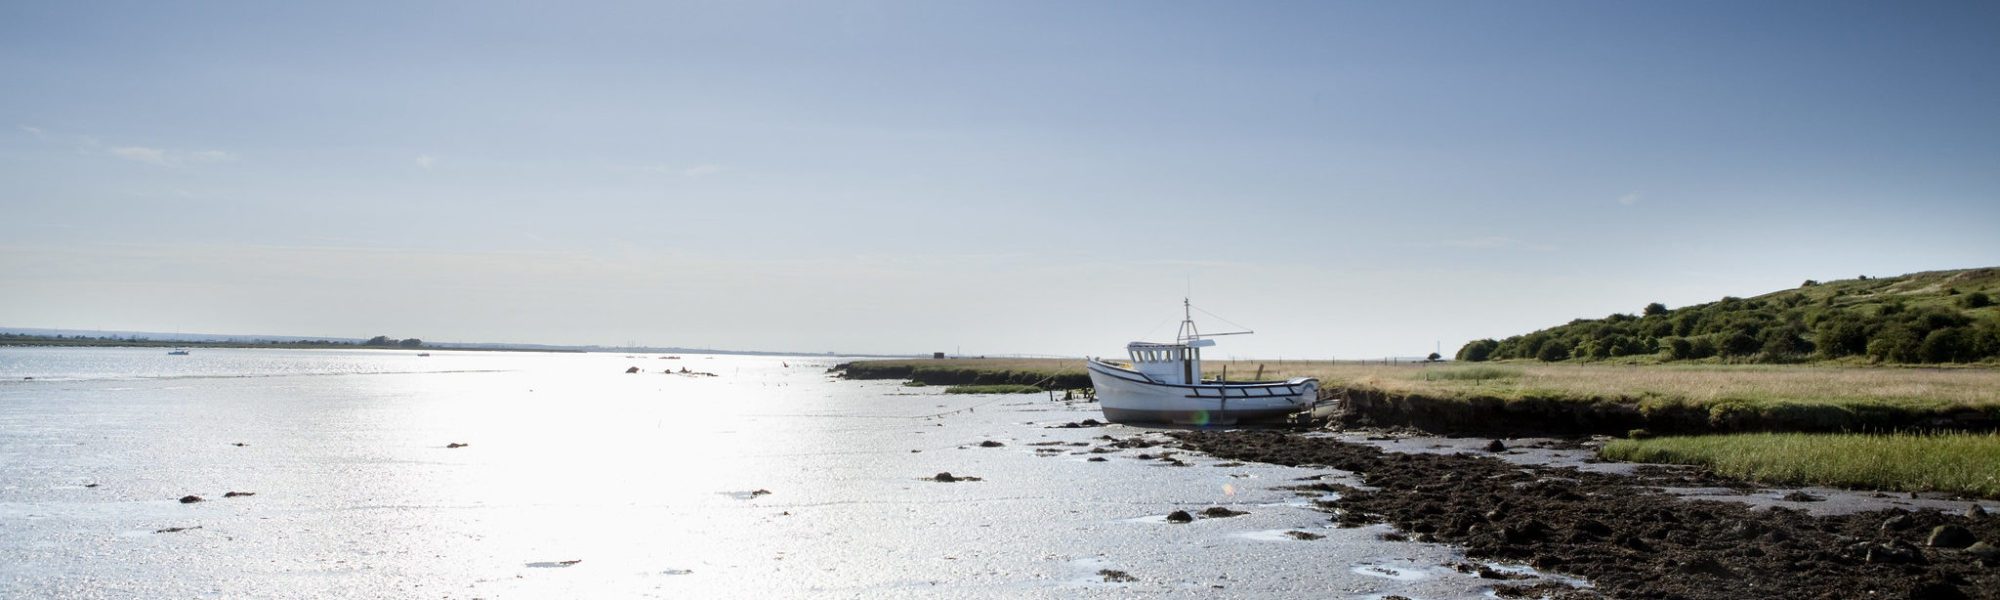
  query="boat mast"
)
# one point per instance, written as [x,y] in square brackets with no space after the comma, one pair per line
[1188,331]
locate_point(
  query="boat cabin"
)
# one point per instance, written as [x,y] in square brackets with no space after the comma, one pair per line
[1169,363]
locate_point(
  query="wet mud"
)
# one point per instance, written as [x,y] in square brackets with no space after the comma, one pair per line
[1630,538]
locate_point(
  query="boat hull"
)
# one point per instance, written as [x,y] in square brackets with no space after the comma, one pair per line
[1130,397]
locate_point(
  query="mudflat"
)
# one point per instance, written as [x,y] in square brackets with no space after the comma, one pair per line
[1630,538]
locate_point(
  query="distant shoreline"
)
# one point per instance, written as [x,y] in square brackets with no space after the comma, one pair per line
[85,342]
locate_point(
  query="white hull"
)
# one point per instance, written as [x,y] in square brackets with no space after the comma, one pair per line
[1129,396]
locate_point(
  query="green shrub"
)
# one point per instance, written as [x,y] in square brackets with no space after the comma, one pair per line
[1477,350]
[1740,343]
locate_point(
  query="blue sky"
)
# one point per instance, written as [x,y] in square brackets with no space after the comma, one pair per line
[1351,179]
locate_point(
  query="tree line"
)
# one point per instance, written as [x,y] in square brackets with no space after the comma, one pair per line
[1858,319]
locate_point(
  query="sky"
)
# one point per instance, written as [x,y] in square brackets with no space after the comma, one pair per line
[1349,179]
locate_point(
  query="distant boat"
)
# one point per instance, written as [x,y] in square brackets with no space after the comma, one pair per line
[423,354]
[178,352]
[1163,384]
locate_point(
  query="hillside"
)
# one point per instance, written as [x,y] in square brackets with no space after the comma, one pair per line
[1929,317]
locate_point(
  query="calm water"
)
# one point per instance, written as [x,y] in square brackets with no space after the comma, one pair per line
[649,480]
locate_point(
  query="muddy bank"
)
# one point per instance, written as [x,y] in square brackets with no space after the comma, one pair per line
[1365,407]
[948,374]
[1630,539]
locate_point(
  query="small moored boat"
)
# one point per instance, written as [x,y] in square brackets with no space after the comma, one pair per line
[1163,384]
[178,352]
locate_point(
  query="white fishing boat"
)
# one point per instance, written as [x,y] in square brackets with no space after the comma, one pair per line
[1162,383]
[178,352]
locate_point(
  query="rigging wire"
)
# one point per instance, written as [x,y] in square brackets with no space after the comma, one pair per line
[1219,317]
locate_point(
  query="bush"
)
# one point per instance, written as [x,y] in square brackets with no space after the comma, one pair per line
[1477,350]
[1678,348]
[1740,343]
[1654,309]
[1951,344]
[1842,337]
[1784,342]
[1976,300]
[1552,352]
[1895,343]
[1703,347]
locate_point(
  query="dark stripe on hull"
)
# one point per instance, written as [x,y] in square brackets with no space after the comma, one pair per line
[1195,417]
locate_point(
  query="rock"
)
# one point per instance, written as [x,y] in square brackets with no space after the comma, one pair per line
[239,444]
[1496,446]
[176,529]
[1985,552]
[90,485]
[456,445]
[1090,423]
[1898,523]
[1217,512]
[1180,516]
[1975,512]
[944,477]
[1116,576]
[190,499]
[759,492]
[990,444]
[632,370]
[1950,536]
[1892,553]
[1097,459]
[1704,565]
[1303,535]
[1486,572]
[1801,496]
[238,494]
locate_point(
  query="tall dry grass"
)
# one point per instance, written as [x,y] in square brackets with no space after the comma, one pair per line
[1650,384]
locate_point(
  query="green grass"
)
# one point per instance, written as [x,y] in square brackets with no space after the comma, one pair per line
[1478,373]
[1005,388]
[1963,463]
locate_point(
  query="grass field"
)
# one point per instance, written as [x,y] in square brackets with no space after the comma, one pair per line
[1964,463]
[1576,398]
[1698,384]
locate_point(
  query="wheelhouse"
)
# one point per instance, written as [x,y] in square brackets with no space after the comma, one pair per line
[1168,363]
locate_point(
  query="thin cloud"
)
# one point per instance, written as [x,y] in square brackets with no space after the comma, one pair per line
[1630,199]
[426,161]
[36,131]
[701,170]
[142,154]
[169,158]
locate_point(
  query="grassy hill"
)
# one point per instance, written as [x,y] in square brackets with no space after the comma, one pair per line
[1924,318]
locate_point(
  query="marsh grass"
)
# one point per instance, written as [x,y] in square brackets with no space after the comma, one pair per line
[1478,373]
[992,389]
[1735,397]
[1963,463]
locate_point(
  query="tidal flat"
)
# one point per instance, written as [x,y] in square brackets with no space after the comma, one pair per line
[526,475]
